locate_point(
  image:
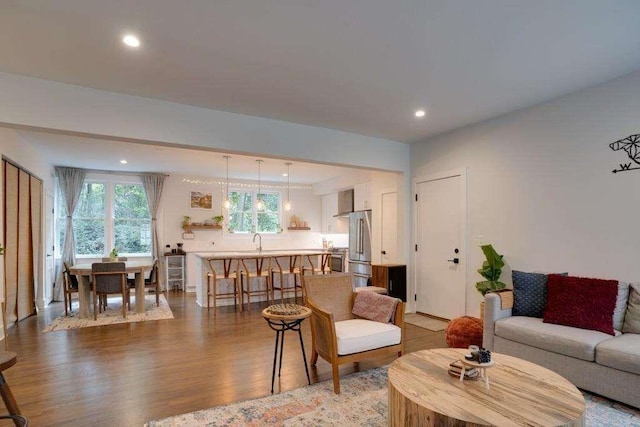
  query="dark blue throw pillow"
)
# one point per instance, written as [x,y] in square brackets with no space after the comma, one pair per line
[529,293]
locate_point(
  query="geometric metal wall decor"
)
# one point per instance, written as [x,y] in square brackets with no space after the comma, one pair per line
[631,145]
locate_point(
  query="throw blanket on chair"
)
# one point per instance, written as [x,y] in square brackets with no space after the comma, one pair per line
[373,306]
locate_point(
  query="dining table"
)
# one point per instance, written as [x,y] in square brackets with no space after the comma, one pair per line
[83,272]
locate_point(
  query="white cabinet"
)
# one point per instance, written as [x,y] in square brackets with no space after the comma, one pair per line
[174,271]
[362,196]
[330,224]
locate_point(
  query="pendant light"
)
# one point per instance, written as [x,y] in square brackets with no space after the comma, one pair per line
[259,202]
[227,203]
[287,204]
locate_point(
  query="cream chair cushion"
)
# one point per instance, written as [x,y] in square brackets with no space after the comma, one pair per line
[357,335]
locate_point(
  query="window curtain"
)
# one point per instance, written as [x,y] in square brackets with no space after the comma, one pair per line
[153,184]
[70,181]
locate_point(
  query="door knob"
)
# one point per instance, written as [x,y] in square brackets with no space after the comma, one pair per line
[455,260]
[383,252]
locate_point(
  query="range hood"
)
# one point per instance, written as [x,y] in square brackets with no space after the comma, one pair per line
[345,203]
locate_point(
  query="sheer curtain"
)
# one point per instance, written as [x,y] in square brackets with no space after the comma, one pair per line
[70,181]
[153,183]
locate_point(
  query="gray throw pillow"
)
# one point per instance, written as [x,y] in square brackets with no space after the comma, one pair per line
[632,317]
[529,293]
[621,305]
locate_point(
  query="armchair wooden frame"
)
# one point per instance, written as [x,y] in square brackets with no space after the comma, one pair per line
[328,305]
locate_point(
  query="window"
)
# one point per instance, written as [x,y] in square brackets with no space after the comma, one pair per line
[245,218]
[109,215]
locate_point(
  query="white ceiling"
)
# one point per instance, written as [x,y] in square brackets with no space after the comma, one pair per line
[360,66]
[105,155]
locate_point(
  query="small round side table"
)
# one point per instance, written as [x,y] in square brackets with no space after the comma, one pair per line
[482,367]
[281,318]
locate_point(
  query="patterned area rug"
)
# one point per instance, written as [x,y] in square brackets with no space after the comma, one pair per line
[113,314]
[362,402]
[425,322]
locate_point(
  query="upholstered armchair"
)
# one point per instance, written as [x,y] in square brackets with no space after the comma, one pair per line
[338,335]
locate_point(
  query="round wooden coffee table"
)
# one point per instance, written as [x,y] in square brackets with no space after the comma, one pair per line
[421,392]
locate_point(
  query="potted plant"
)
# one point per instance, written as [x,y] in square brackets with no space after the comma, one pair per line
[491,271]
[186,221]
[1,250]
[113,255]
[218,219]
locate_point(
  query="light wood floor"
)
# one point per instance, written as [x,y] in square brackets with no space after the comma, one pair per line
[125,375]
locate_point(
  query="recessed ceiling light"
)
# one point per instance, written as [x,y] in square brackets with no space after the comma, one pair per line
[131,40]
[420,113]
[123,161]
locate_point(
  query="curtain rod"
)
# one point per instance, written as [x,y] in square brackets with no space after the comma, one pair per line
[108,172]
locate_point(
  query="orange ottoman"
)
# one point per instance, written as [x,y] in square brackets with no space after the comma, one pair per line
[464,331]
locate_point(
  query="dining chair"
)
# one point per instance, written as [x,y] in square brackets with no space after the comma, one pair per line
[153,282]
[213,276]
[255,268]
[110,278]
[70,283]
[285,267]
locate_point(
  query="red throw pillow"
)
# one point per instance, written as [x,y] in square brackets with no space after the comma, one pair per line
[581,302]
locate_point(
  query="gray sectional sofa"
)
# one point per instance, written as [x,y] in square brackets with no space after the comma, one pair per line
[594,361]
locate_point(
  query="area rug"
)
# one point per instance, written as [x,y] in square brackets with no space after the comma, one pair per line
[425,322]
[113,314]
[362,402]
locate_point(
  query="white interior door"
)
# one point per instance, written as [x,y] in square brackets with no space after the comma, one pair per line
[440,222]
[389,217]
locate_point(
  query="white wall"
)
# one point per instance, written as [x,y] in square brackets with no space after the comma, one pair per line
[540,186]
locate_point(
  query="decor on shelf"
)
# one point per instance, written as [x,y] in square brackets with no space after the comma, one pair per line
[491,271]
[259,202]
[201,200]
[227,203]
[218,219]
[113,255]
[186,221]
[287,203]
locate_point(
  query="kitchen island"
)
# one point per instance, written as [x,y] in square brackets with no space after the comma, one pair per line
[198,267]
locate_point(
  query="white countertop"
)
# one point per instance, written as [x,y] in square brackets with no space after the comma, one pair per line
[254,253]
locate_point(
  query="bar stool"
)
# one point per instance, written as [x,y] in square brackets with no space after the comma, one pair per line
[212,283]
[259,272]
[283,273]
[323,268]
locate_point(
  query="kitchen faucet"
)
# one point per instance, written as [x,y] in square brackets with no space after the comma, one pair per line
[260,241]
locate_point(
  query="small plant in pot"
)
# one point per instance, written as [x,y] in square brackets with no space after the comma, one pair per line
[113,255]
[218,219]
[186,221]
[491,271]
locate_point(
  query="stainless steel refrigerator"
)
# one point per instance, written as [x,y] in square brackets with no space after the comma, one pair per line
[360,246]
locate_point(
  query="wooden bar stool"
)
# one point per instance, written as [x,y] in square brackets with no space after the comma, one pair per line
[227,274]
[261,271]
[7,360]
[283,272]
[324,267]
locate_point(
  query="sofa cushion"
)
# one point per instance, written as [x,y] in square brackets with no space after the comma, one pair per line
[621,352]
[573,342]
[358,335]
[632,316]
[621,306]
[529,293]
[581,302]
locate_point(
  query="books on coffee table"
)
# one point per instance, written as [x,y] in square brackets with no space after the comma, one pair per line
[455,368]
